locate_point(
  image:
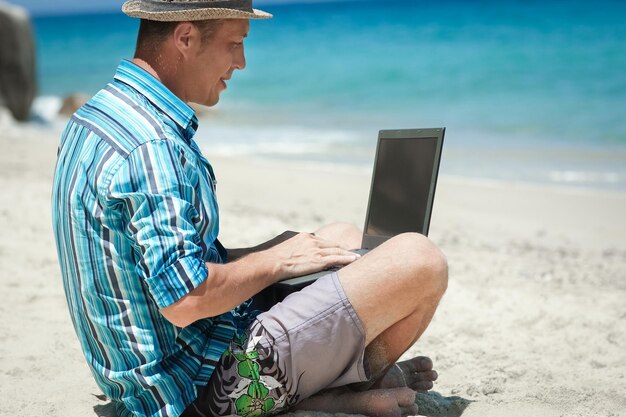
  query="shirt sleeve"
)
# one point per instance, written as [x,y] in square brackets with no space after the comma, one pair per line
[158,201]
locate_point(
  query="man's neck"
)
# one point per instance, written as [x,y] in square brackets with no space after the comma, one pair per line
[167,76]
[147,67]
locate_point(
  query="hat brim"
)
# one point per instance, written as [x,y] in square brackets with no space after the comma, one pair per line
[132,8]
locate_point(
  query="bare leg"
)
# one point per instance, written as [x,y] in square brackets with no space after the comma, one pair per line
[416,373]
[394,394]
[395,402]
[395,290]
[409,257]
[383,352]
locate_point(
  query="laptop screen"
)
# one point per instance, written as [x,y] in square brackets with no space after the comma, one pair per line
[402,186]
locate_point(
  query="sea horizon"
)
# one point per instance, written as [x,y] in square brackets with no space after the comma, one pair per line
[535,97]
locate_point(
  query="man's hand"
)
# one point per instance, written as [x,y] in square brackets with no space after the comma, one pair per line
[306,253]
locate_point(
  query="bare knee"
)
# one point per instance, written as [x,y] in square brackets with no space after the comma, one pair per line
[425,264]
[347,235]
[338,228]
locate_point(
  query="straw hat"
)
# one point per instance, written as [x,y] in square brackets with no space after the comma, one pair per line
[184,10]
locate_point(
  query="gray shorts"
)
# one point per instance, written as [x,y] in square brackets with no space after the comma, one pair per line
[311,341]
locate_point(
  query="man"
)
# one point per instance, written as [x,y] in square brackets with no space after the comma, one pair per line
[159,304]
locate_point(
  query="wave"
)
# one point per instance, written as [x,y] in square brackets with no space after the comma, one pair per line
[45,109]
[286,142]
[587,177]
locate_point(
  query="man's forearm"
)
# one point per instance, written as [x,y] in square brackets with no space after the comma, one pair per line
[226,287]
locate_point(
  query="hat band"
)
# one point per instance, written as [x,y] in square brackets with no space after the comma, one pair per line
[155,6]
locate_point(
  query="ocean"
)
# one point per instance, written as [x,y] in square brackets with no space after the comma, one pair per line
[529,91]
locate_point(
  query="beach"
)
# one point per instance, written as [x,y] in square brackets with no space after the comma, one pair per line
[529,209]
[533,322]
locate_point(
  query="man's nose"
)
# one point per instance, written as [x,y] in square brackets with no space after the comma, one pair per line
[240,59]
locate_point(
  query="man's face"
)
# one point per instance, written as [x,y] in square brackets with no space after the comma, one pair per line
[215,61]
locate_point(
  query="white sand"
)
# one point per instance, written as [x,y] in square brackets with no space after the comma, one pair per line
[533,324]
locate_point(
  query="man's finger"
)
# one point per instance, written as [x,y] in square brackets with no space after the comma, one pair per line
[336,251]
[336,260]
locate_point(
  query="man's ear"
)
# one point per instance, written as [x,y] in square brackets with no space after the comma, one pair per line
[185,36]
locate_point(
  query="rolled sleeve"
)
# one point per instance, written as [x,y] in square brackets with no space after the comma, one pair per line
[177,280]
[159,201]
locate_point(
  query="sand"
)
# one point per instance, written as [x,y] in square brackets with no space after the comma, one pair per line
[533,323]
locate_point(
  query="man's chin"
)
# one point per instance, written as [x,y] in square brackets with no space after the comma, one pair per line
[206,103]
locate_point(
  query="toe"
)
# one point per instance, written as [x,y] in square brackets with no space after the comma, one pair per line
[426,364]
[425,376]
[382,403]
[405,396]
[422,386]
[417,364]
[411,410]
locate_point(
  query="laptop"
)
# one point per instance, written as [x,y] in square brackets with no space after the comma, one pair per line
[401,197]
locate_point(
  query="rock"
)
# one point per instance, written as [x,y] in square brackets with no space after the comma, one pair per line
[6,121]
[18,84]
[434,404]
[72,103]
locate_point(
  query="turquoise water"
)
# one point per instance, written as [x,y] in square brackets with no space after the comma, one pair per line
[529,90]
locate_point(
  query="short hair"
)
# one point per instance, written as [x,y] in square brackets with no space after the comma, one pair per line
[153,33]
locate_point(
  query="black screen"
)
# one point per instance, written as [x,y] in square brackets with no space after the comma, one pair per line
[401,186]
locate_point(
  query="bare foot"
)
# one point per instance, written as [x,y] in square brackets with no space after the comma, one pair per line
[416,373]
[393,402]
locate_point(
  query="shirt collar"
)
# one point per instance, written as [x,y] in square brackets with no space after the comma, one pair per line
[159,95]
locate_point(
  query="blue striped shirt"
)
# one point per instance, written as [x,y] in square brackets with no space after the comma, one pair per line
[135,219]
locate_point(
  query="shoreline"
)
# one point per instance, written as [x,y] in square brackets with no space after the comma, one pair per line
[541,163]
[349,168]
